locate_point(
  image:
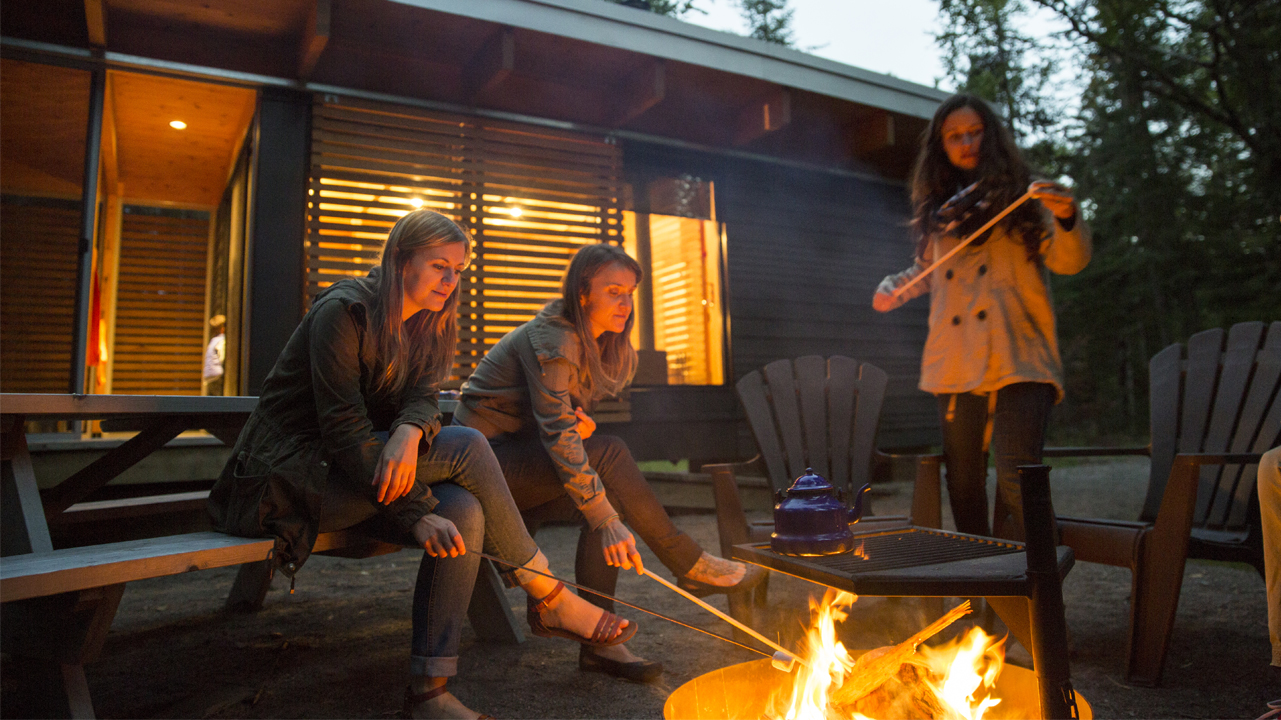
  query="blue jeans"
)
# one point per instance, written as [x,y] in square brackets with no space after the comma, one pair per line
[464,475]
[1018,437]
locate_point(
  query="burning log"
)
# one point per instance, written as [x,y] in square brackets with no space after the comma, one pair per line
[874,667]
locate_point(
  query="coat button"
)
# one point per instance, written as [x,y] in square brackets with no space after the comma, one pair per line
[982,269]
[948,275]
[956,319]
[982,314]
[324,463]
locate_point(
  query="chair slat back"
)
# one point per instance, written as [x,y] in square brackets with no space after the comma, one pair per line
[1215,485]
[787,414]
[760,418]
[811,388]
[1165,385]
[815,413]
[1223,398]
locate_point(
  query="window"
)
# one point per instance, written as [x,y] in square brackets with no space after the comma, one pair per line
[680,316]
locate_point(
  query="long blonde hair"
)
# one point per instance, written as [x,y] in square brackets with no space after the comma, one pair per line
[427,341]
[609,362]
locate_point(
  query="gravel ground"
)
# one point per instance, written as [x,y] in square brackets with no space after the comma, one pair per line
[339,646]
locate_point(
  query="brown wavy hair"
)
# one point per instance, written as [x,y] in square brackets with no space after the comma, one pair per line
[427,341]
[609,362]
[1002,170]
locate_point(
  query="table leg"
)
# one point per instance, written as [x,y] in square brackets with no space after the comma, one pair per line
[24,527]
[1048,627]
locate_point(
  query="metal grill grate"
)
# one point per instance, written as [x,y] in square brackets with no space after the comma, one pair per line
[912,547]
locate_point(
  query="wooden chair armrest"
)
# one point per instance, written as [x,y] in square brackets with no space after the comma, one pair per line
[738,468]
[1199,459]
[1096,451]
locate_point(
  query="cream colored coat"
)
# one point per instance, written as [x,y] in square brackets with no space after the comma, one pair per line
[991,316]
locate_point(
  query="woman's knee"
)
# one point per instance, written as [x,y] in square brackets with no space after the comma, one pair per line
[609,450]
[461,438]
[462,509]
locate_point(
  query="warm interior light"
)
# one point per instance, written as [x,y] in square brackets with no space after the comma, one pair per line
[177,125]
[517,212]
[417,202]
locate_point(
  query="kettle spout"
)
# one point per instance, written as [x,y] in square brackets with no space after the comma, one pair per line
[856,512]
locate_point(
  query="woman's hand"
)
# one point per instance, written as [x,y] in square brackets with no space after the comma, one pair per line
[882,301]
[1054,196]
[439,536]
[586,425]
[398,464]
[620,546]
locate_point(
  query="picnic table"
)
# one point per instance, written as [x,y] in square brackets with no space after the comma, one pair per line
[59,604]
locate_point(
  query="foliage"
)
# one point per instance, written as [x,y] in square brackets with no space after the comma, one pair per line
[1175,148]
[670,8]
[769,20]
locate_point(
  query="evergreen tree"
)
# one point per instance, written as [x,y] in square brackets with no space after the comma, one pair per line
[769,20]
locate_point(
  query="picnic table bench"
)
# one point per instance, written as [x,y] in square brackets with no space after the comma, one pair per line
[59,604]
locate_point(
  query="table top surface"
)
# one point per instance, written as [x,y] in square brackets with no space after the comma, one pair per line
[100,407]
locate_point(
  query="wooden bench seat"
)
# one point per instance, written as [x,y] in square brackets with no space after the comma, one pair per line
[81,568]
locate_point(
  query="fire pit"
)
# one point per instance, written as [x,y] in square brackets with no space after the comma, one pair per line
[744,692]
[1022,582]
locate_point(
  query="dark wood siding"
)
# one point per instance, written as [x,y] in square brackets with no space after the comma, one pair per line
[37,291]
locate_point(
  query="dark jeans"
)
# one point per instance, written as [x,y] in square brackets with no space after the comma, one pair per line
[1018,437]
[465,476]
[540,495]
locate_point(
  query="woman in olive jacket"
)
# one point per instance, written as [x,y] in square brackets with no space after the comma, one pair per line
[532,396]
[347,430]
[992,353]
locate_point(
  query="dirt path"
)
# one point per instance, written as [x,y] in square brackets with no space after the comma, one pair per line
[339,646]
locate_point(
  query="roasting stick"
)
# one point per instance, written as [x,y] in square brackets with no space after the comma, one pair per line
[658,615]
[875,667]
[898,291]
[782,656]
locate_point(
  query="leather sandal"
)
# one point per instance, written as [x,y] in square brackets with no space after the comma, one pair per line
[412,699]
[642,671]
[753,577]
[603,636]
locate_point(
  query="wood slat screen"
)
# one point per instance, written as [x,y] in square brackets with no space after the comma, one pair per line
[160,302]
[38,243]
[530,195]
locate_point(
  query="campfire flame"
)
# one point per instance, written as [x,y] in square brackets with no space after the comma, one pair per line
[954,682]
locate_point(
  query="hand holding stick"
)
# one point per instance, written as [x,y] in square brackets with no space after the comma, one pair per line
[1033,189]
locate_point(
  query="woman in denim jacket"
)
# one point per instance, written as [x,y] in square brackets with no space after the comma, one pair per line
[992,354]
[347,430]
[532,396]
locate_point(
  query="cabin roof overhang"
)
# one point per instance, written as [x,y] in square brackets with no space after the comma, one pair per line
[588,63]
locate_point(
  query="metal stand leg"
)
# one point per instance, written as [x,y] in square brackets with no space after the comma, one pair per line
[1045,605]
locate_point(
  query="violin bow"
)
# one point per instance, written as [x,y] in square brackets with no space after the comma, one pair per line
[898,291]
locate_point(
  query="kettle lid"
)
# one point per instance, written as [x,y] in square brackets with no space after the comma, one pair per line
[810,483]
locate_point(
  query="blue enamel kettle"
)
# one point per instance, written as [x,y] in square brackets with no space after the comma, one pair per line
[811,518]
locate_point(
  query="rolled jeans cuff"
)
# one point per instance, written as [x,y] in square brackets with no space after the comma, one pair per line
[516,577]
[420,666]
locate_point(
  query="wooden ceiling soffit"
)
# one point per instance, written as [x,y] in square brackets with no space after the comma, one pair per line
[96,22]
[763,117]
[644,88]
[491,66]
[315,35]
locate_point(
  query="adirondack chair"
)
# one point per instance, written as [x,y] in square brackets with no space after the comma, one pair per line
[811,413]
[1213,412]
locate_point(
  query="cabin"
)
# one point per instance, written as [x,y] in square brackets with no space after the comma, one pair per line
[166,162]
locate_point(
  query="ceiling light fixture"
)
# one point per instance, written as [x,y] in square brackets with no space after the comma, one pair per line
[177,125]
